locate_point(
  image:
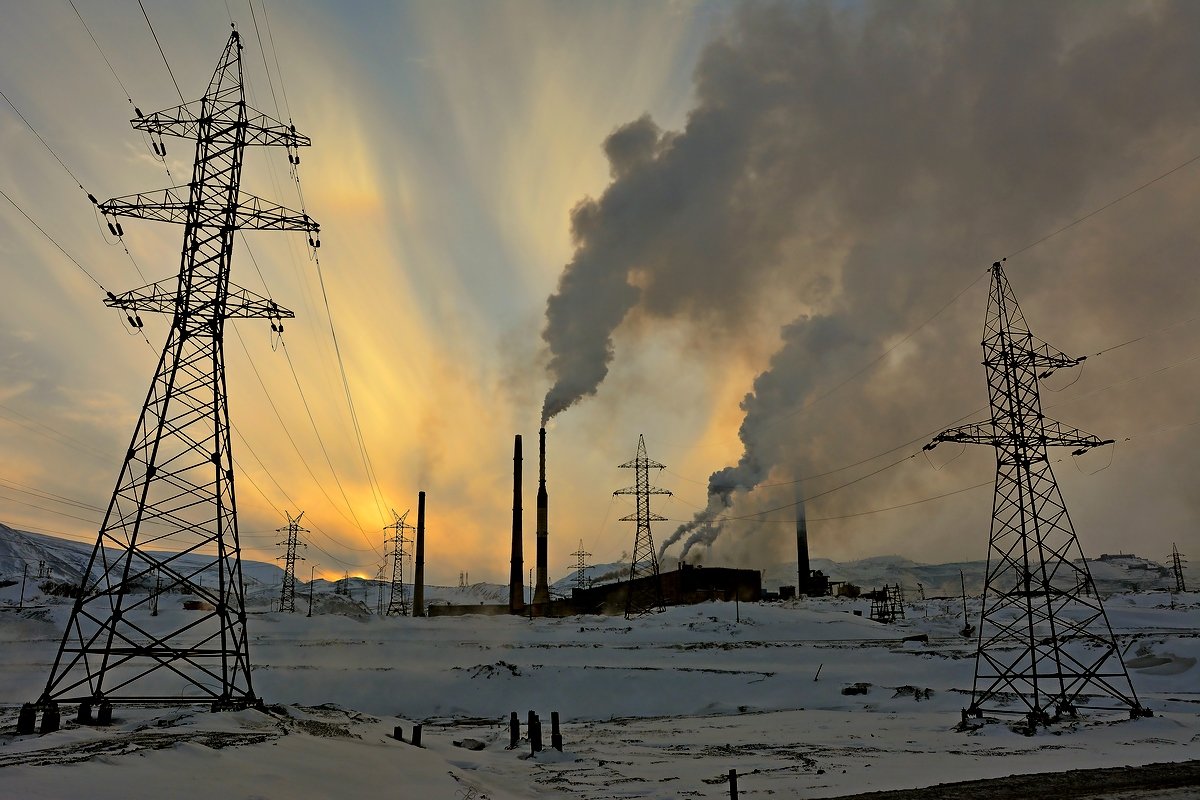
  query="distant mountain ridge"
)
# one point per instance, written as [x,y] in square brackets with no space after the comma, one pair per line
[66,559]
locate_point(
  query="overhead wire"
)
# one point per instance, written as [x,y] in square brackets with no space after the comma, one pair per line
[295,447]
[976,280]
[162,52]
[102,55]
[368,465]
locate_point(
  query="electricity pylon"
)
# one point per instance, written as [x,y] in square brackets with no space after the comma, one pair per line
[1177,562]
[581,566]
[397,602]
[1044,637]
[176,485]
[644,591]
[287,598]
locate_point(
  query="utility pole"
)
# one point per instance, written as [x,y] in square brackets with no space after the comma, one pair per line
[1036,598]
[1177,562]
[644,592]
[312,580]
[157,591]
[397,602]
[287,597]
[24,572]
[379,580]
[177,479]
[581,566]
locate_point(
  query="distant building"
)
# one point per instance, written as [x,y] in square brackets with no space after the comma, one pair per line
[685,586]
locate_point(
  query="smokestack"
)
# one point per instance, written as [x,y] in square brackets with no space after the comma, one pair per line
[803,568]
[418,609]
[516,575]
[541,591]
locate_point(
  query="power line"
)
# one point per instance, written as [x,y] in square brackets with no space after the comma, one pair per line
[275,55]
[966,288]
[312,420]
[162,53]
[101,52]
[267,69]
[292,440]
[1106,206]
[45,144]
[42,230]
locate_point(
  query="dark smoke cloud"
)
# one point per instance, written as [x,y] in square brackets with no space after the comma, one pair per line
[865,161]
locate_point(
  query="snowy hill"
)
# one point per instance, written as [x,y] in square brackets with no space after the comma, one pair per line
[65,561]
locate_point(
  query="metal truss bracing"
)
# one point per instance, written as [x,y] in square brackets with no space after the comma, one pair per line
[287,597]
[173,510]
[645,585]
[1045,644]
[1177,562]
[398,599]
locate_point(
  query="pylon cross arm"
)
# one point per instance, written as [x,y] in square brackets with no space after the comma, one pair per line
[160,298]
[1048,357]
[1058,434]
[170,205]
[652,517]
[971,433]
[184,121]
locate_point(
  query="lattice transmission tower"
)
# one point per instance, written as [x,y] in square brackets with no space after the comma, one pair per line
[645,584]
[176,485]
[287,597]
[398,601]
[1177,562]
[1044,637]
[581,566]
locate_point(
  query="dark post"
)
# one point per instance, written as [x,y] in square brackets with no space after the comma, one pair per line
[555,735]
[416,740]
[104,713]
[418,609]
[49,718]
[733,784]
[24,572]
[84,716]
[26,719]
[398,733]
[514,731]
[535,733]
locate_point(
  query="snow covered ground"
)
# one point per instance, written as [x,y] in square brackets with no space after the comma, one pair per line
[660,707]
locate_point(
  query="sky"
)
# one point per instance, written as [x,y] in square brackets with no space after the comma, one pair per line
[756,234]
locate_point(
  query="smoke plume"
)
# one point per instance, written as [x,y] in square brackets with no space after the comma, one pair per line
[861,162]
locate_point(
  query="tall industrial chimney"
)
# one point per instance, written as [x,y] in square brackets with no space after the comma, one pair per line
[418,608]
[803,568]
[541,591]
[516,575]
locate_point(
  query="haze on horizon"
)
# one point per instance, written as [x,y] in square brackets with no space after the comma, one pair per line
[729,211]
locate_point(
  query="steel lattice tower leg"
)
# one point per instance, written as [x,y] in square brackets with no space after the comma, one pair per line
[1177,562]
[645,585]
[397,601]
[173,509]
[287,597]
[1044,637]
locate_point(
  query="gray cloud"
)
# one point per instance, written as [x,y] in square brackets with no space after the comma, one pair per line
[865,162]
